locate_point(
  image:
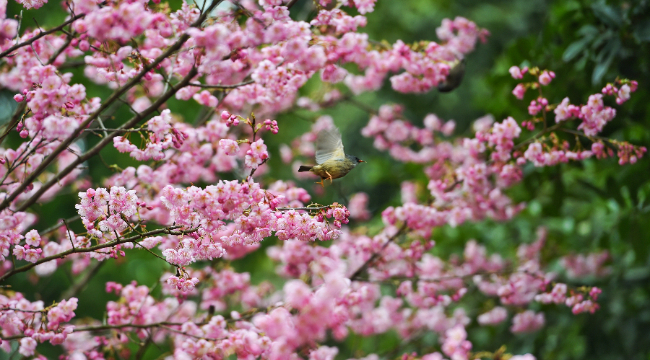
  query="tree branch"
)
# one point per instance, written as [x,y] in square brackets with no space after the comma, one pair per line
[94,248]
[537,136]
[355,275]
[79,285]
[14,120]
[304,208]
[119,92]
[100,145]
[40,35]
[234,86]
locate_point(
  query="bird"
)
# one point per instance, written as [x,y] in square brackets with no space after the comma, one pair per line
[454,78]
[332,161]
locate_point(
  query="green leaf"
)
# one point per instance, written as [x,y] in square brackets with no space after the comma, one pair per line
[588,31]
[641,31]
[598,41]
[604,59]
[608,15]
[575,48]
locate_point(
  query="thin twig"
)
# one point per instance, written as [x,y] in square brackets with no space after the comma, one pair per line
[97,148]
[249,14]
[362,268]
[58,225]
[71,64]
[537,136]
[101,125]
[304,208]
[40,35]
[59,51]
[81,284]
[143,348]
[14,119]
[117,130]
[255,169]
[61,255]
[233,86]
[111,327]
[23,310]
[119,92]
[360,105]
[69,235]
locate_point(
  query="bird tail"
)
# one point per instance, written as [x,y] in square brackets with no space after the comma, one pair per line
[304,168]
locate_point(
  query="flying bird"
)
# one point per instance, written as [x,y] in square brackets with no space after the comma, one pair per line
[330,157]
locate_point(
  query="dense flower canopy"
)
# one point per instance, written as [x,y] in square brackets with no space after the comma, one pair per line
[244,63]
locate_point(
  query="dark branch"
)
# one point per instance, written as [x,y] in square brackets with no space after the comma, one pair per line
[119,92]
[304,208]
[94,248]
[104,142]
[40,35]
[376,255]
[234,86]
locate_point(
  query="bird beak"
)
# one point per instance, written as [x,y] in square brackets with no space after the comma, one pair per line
[361,161]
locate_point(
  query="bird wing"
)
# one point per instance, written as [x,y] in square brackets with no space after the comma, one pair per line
[329,145]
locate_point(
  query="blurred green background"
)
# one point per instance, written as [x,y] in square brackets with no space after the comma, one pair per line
[590,206]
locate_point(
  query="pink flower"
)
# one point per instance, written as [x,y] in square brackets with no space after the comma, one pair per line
[455,344]
[623,94]
[32,238]
[493,317]
[516,72]
[333,74]
[35,4]
[19,252]
[519,91]
[206,99]
[27,346]
[545,77]
[256,154]
[527,321]
[32,255]
[563,111]
[358,206]
[297,294]
[230,147]
[365,6]
[523,357]
[286,153]
[323,353]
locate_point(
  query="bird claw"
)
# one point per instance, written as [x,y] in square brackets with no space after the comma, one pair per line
[330,177]
[320,182]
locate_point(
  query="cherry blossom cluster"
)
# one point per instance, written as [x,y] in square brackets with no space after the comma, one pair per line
[11,228]
[8,27]
[574,300]
[393,134]
[33,323]
[358,206]
[463,186]
[581,265]
[594,115]
[254,214]
[622,93]
[103,212]
[57,108]
[440,284]
[228,55]
[161,135]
